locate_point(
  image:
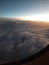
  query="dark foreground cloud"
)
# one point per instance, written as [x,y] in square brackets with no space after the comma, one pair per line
[18,42]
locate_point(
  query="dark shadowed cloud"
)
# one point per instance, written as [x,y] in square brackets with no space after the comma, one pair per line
[18,42]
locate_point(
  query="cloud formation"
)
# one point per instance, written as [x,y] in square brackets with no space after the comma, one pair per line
[18,42]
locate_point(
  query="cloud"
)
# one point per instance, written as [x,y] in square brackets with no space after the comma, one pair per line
[47,33]
[18,42]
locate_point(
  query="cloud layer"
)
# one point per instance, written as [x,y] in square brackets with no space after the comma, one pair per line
[20,40]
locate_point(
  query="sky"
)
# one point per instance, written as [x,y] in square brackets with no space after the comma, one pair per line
[25,9]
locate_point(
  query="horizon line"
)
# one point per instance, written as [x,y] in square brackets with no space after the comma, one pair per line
[17,18]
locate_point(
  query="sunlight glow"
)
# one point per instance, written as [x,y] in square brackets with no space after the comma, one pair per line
[39,17]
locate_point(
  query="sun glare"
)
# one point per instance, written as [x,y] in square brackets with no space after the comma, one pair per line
[41,17]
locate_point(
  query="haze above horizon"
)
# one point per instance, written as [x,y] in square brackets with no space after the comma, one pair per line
[34,10]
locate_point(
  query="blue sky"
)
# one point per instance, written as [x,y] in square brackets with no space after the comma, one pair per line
[20,8]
